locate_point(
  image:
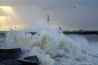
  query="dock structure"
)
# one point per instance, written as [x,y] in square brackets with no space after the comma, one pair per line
[75,32]
[81,32]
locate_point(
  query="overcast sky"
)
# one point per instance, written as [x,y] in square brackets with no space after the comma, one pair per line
[69,14]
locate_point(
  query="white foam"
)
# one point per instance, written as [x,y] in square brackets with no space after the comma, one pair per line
[55,48]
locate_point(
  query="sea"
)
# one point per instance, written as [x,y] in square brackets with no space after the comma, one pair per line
[53,47]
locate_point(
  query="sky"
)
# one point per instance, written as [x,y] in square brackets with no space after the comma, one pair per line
[68,14]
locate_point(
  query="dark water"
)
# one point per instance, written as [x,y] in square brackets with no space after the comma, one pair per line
[92,38]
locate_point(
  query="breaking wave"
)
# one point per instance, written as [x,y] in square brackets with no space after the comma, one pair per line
[54,48]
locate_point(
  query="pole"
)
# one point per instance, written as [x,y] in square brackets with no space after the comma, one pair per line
[48,18]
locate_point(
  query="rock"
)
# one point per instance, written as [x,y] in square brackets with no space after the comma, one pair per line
[2,64]
[11,62]
[31,60]
[0,59]
[9,53]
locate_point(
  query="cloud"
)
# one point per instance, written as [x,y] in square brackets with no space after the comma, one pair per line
[62,12]
[84,16]
[58,4]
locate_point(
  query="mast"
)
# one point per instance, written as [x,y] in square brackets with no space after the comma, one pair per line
[0,26]
[48,19]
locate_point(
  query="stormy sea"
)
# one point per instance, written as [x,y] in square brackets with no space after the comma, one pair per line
[52,47]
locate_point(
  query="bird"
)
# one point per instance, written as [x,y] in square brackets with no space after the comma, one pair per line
[74,6]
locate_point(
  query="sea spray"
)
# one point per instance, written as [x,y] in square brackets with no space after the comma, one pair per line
[44,58]
[54,48]
[16,39]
